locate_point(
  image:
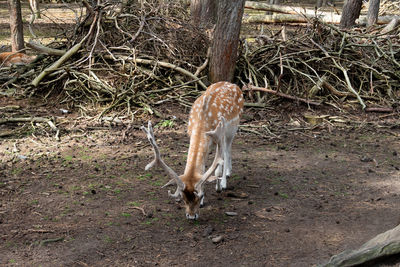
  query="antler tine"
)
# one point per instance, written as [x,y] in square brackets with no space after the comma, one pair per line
[150,137]
[159,161]
[177,193]
[218,160]
[170,182]
[218,135]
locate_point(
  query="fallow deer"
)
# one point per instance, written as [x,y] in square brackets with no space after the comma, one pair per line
[14,58]
[214,117]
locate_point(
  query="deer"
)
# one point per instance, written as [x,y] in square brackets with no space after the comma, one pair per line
[213,119]
[7,59]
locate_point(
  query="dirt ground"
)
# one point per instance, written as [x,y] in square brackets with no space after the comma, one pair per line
[299,194]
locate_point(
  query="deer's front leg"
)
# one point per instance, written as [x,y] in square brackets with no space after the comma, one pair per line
[218,171]
[221,177]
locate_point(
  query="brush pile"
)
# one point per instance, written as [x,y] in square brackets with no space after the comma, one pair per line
[135,55]
[326,64]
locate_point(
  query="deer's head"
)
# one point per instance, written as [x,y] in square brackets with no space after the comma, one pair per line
[192,195]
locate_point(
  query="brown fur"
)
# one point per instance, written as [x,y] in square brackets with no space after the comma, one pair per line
[220,99]
[11,58]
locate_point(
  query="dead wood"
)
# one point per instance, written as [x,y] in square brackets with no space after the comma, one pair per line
[45,50]
[254,88]
[291,14]
[384,244]
[137,56]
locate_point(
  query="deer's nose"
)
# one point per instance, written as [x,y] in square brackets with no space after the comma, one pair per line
[192,217]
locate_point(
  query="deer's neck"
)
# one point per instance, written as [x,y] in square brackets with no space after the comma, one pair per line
[198,150]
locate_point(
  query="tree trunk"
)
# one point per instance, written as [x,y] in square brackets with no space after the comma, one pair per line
[34,5]
[373,11]
[224,50]
[351,11]
[17,33]
[204,12]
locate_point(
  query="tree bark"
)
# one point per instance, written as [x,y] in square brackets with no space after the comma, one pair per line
[17,33]
[351,11]
[224,50]
[373,11]
[34,5]
[204,12]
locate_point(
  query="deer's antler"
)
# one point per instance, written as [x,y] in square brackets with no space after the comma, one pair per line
[159,161]
[218,135]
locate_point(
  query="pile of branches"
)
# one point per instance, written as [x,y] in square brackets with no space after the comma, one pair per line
[389,7]
[126,55]
[325,64]
[132,56]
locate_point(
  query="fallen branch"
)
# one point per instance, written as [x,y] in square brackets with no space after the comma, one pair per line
[270,91]
[32,120]
[141,209]
[46,241]
[345,73]
[57,64]
[384,244]
[391,25]
[29,119]
[279,8]
[45,50]
[162,64]
[300,15]
[64,58]
[379,109]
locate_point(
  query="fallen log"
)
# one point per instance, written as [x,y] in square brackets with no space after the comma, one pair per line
[270,91]
[289,18]
[299,15]
[45,50]
[385,244]
[160,63]
[282,9]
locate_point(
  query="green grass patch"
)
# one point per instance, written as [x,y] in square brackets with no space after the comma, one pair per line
[283,195]
[144,176]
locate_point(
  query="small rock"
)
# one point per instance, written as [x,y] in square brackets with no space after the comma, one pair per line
[366,159]
[217,239]
[231,213]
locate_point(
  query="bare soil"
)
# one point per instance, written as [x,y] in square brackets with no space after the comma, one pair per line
[297,199]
